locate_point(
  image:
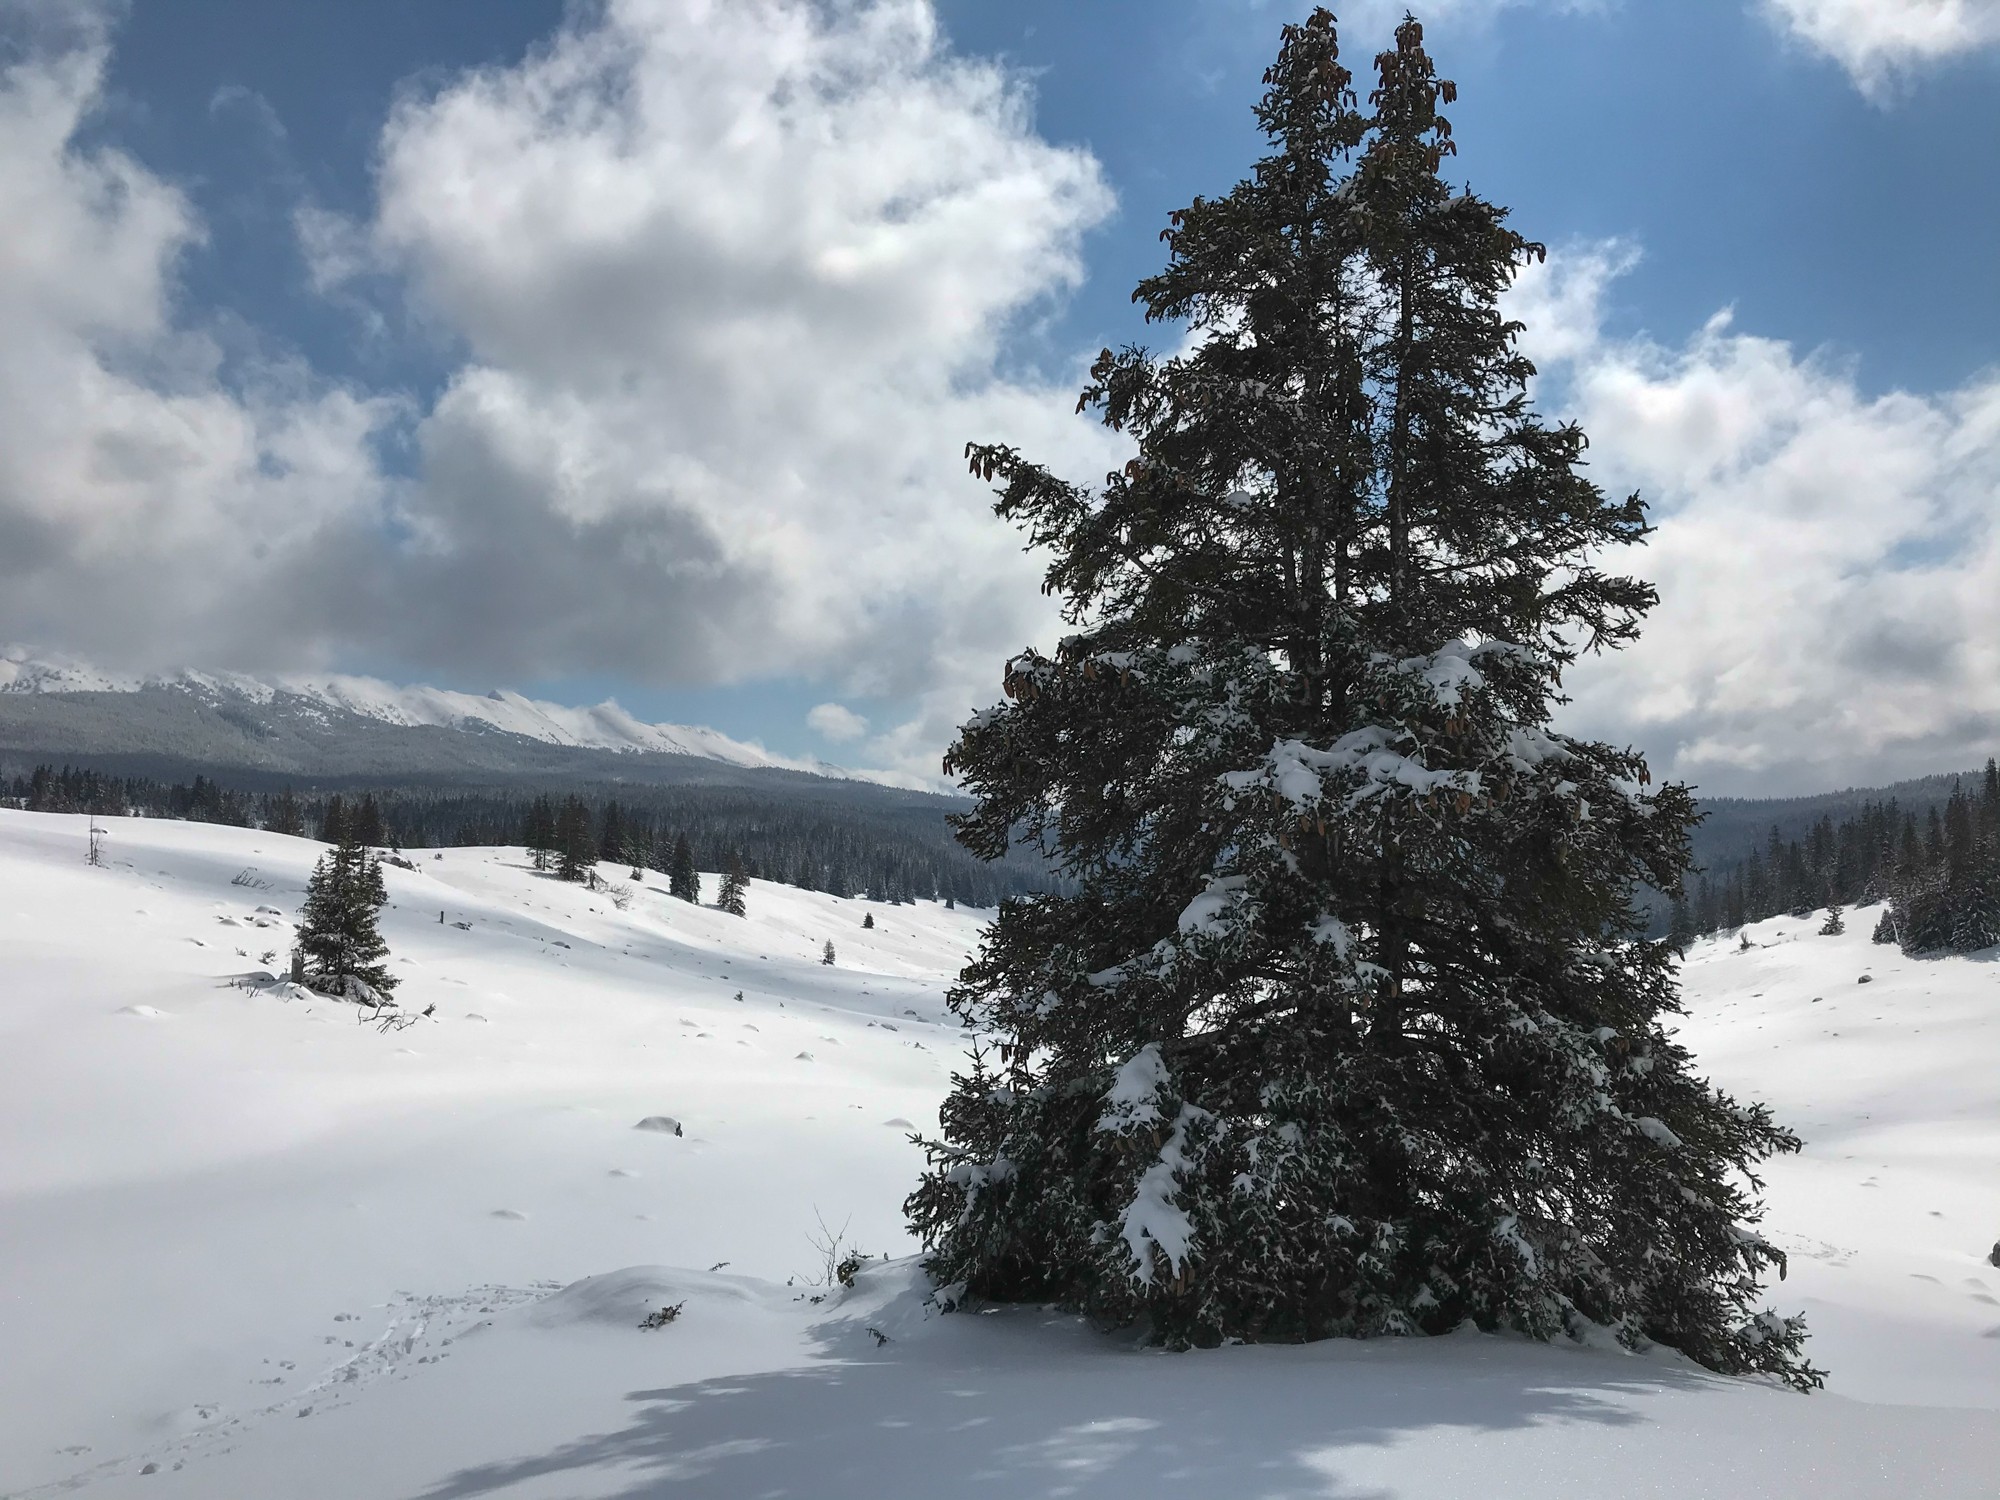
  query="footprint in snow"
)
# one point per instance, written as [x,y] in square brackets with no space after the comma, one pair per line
[803,1057]
[509,1213]
[148,1012]
[900,1123]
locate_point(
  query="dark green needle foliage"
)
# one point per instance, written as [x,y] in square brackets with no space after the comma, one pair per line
[338,938]
[1349,1027]
[734,895]
[576,848]
[682,880]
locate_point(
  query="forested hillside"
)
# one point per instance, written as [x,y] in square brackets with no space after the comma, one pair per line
[840,837]
[1936,862]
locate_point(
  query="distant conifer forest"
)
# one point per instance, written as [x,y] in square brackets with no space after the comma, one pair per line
[846,839]
[1936,869]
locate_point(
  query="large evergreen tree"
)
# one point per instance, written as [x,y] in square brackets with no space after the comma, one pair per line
[338,938]
[1348,1026]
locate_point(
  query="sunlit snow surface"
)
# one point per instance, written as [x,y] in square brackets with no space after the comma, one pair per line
[270,1253]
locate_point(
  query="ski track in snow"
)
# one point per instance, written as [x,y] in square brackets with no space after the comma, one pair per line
[419,1327]
[250,1248]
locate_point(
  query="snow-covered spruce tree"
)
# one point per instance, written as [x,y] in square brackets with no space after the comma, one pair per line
[1349,1026]
[338,939]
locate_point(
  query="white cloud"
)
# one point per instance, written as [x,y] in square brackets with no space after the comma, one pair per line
[836,722]
[147,492]
[730,282]
[733,279]
[1828,561]
[1879,41]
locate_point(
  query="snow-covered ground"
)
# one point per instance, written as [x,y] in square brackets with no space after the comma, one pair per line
[249,1248]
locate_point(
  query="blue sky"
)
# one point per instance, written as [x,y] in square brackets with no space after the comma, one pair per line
[489,341]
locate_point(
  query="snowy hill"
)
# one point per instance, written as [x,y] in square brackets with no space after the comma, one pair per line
[251,1248]
[325,724]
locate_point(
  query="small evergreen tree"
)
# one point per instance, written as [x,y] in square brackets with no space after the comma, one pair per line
[575,848]
[868,920]
[286,816]
[611,838]
[367,823]
[339,944]
[1346,1024]
[540,832]
[682,880]
[1834,925]
[332,821]
[735,889]
[826,956]
[1680,929]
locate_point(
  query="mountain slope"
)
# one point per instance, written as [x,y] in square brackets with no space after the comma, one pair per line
[269,1251]
[329,725]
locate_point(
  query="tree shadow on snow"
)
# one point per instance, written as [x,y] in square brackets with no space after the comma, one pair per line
[1026,1404]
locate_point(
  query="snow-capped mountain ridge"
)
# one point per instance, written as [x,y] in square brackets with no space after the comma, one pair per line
[325,696]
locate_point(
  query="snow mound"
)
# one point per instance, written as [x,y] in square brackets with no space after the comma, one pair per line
[663,1124]
[623,1299]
